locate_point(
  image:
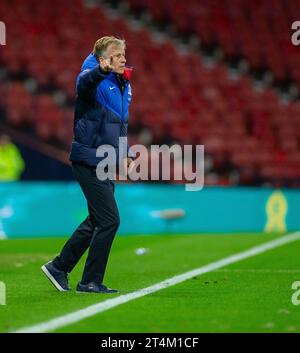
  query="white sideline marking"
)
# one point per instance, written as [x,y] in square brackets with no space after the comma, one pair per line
[92,310]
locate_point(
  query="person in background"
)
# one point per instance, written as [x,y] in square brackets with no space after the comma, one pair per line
[11,161]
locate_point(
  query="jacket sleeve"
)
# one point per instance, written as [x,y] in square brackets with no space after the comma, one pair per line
[89,80]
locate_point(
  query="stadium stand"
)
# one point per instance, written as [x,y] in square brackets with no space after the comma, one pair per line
[250,135]
[234,25]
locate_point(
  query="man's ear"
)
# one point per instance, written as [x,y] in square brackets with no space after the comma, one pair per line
[97,56]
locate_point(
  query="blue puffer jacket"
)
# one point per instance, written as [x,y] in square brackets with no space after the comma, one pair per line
[101,111]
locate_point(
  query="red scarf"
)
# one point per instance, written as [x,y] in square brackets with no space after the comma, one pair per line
[127,73]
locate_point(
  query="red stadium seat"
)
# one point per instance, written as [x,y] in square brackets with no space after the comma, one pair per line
[190,102]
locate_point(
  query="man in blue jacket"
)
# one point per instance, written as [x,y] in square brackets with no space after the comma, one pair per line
[101,117]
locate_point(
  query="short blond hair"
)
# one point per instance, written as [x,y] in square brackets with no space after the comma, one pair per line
[101,44]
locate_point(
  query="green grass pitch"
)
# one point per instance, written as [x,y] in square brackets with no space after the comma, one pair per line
[252,295]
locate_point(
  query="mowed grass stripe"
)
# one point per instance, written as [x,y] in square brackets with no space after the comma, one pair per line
[20,262]
[218,301]
[92,310]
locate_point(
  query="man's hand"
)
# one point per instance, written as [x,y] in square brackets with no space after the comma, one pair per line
[106,63]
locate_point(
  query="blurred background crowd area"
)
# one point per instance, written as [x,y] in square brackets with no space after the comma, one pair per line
[222,73]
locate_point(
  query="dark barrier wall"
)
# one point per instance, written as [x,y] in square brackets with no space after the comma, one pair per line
[39,166]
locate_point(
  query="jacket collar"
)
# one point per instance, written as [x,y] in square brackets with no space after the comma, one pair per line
[118,80]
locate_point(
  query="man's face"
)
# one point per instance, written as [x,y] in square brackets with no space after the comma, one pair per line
[116,53]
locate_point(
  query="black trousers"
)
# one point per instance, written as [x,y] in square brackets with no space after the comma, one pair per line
[96,232]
